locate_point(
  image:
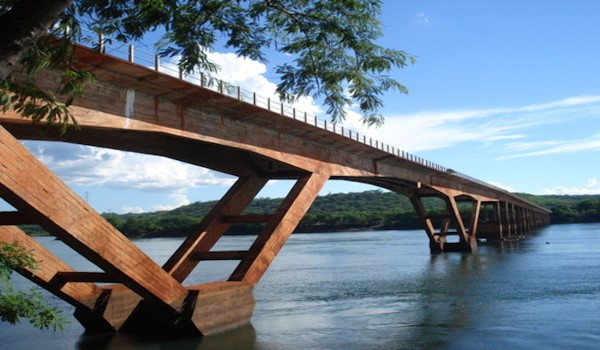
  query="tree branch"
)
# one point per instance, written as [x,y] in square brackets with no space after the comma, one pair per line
[22,26]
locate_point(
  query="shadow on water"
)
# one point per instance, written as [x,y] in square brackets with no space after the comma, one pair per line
[240,338]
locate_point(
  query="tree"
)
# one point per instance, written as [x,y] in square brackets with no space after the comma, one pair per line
[332,45]
[14,304]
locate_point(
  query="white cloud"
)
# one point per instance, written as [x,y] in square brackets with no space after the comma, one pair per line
[249,75]
[592,187]
[99,167]
[502,186]
[442,129]
[556,147]
[132,210]
[422,18]
[177,199]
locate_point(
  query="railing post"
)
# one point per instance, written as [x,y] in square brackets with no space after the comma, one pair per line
[101,47]
[131,53]
[157,63]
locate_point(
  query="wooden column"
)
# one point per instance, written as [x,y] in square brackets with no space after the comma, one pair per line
[213,226]
[435,245]
[466,243]
[498,214]
[508,219]
[36,192]
[74,287]
[279,228]
[474,225]
[48,268]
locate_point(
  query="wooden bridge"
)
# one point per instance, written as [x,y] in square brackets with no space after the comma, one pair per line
[135,108]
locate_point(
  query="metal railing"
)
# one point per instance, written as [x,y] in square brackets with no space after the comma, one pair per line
[142,58]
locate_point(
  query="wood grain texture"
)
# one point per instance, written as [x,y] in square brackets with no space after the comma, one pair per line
[276,232]
[82,295]
[221,306]
[35,191]
[212,227]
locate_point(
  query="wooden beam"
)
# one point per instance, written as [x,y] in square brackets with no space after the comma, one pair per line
[212,227]
[82,295]
[276,232]
[452,208]
[15,218]
[425,220]
[78,276]
[475,211]
[219,255]
[31,188]
[498,214]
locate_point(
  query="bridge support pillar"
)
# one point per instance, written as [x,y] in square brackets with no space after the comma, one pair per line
[145,297]
[449,223]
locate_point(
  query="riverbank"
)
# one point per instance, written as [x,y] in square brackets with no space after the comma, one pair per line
[341,212]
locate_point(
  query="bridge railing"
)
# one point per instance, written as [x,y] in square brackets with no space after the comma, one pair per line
[140,57]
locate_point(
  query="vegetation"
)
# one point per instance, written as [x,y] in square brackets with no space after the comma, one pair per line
[370,210]
[15,304]
[331,46]
[569,209]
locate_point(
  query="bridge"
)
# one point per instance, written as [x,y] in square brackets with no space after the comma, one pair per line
[143,109]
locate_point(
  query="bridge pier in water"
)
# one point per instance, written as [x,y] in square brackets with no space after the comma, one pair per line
[471,218]
[143,297]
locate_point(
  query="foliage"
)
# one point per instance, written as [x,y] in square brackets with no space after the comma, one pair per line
[20,92]
[569,209]
[331,212]
[14,304]
[369,210]
[331,46]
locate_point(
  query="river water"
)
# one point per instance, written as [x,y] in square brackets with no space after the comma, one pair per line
[384,290]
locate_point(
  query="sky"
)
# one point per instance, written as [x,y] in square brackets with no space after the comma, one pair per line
[507,92]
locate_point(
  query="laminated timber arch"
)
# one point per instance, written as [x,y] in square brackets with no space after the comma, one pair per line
[134,108]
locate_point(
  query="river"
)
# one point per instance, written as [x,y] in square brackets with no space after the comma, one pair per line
[384,290]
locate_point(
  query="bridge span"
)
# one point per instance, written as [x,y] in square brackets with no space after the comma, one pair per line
[135,108]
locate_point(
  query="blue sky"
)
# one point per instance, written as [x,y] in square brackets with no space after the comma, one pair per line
[505,91]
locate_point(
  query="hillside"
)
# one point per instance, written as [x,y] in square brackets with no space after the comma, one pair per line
[370,210]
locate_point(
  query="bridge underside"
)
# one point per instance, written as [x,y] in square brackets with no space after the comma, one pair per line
[132,293]
[156,114]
